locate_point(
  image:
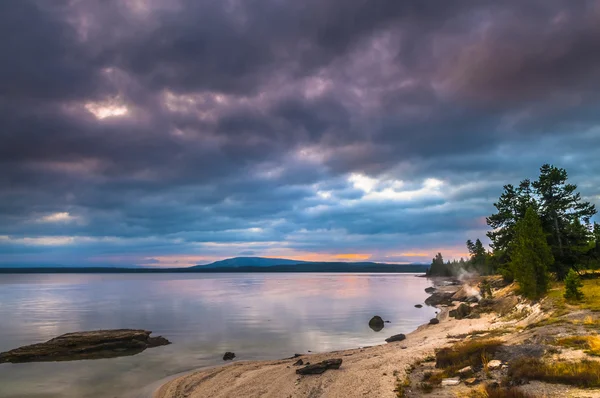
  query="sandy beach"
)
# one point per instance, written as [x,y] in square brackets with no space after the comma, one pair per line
[365,372]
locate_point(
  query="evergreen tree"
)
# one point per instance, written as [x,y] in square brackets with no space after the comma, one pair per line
[572,285]
[438,268]
[530,256]
[560,208]
[511,207]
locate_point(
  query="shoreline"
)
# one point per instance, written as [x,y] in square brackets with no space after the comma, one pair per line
[377,367]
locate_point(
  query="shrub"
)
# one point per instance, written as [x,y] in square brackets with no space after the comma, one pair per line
[572,286]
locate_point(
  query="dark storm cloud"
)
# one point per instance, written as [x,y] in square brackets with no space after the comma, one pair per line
[165,128]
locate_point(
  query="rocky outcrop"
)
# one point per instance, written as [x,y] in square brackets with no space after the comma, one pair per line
[320,367]
[463,311]
[86,345]
[376,323]
[396,337]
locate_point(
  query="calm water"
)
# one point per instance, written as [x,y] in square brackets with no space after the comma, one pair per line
[257,316]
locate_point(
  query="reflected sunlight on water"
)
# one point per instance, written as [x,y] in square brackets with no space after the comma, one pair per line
[258,316]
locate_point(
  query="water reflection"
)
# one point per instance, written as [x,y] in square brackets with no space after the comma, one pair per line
[257,316]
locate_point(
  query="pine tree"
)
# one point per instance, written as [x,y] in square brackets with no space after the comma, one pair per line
[572,285]
[531,256]
[560,208]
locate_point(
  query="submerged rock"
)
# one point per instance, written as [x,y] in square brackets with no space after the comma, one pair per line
[396,337]
[320,367]
[376,323]
[418,306]
[86,345]
[228,356]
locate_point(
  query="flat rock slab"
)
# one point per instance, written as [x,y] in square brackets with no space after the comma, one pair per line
[95,344]
[396,337]
[320,367]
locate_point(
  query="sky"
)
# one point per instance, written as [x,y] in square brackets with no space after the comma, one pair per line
[179,132]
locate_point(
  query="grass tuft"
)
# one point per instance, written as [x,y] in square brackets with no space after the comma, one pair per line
[582,374]
[591,344]
[471,353]
[491,392]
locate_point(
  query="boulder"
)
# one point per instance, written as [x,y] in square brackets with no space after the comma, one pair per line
[228,356]
[430,290]
[418,306]
[299,362]
[86,345]
[376,323]
[320,367]
[438,298]
[463,311]
[434,321]
[396,337]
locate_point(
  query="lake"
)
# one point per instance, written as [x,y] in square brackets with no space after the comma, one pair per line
[257,316]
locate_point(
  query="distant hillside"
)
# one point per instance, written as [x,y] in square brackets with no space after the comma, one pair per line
[250,262]
[321,267]
[262,264]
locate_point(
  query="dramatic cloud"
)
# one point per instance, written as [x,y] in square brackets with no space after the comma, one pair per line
[175,132]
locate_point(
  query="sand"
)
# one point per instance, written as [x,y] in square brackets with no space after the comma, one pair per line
[366,372]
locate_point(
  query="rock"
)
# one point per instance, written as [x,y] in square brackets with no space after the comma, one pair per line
[388,322]
[228,356]
[376,323]
[472,381]
[418,306]
[454,381]
[438,298]
[299,363]
[430,290]
[465,371]
[461,312]
[86,345]
[494,364]
[320,367]
[434,321]
[396,337]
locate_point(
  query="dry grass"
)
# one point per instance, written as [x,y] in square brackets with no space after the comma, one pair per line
[490,392]
[401,386]
[591,299]
[582,374]
[591,344]
[470,353]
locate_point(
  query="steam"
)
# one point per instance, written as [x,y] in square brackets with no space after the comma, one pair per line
[466,278]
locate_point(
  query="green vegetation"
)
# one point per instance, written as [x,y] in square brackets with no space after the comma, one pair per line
[572,285]
[591,296]
[540,227]
[581,374]
[531,256]
[471,353]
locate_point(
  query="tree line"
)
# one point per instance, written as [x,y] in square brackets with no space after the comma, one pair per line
[540,229]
